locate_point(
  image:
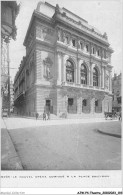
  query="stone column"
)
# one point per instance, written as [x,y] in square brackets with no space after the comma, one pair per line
[63,69]
[79,105]
[91,75]
[110,83]
[78,71]
[104,77]
[100,79]
[92,104]
[88,78]
[59,63]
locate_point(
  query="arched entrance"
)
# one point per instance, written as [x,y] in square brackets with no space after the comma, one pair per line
[98,105]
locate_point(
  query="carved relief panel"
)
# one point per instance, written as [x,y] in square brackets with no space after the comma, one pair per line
[45,33]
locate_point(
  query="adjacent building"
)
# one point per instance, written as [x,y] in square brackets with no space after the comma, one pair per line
[11,97]
[116,91]
[67,67]
[9,12]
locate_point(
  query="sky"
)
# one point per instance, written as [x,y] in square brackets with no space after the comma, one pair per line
[105,15]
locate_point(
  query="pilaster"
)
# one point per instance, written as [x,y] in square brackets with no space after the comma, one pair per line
[78,71]
[79,105]
[91,74]
[104,77]
[92,104]
[63,68]
[110,83]
[59,66]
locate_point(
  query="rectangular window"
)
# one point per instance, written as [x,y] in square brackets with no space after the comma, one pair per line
[73,42]
[87,48]
[104,54]
[98,52]
[119,100]
[66,40]
[93,50]
[81,45]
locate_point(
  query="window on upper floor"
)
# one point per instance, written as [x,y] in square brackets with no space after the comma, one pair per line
[69,71]
[81,45]
[104,54]
[118,93]
[113,98]
[83,75]
[93,50]
[98,52]
[73,42]
[87,48]
[119,100]
[95,77]
[66,39]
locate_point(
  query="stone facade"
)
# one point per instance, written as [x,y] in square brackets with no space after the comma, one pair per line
[67,67]
[116,91]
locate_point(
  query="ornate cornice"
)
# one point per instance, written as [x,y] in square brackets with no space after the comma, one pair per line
[79,26]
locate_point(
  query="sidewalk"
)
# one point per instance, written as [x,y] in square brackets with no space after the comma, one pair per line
[9,157]
[18,123]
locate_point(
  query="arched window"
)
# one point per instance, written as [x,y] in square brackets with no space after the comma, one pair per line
[83,75]
[69,71]
[95,77]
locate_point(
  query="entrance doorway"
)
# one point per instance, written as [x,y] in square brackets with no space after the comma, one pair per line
[72,108]
[49,106]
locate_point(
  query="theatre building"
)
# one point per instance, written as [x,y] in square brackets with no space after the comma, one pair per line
[67,67]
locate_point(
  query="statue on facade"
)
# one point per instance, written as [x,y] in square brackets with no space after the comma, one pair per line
[105,36]
[47,68]
[59,35]
[57,9]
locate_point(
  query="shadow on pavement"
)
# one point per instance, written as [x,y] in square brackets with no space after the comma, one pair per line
[105,133]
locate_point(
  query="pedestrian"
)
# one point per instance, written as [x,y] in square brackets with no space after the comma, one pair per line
[36,115]
[120,116]
[44,115]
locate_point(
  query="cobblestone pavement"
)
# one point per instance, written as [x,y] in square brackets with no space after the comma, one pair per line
[69,145]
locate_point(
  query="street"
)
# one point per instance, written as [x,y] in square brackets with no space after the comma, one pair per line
[75,146]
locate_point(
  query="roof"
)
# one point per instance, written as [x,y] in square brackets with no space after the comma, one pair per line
[47,10]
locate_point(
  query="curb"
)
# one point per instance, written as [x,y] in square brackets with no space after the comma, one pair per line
[9,157]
